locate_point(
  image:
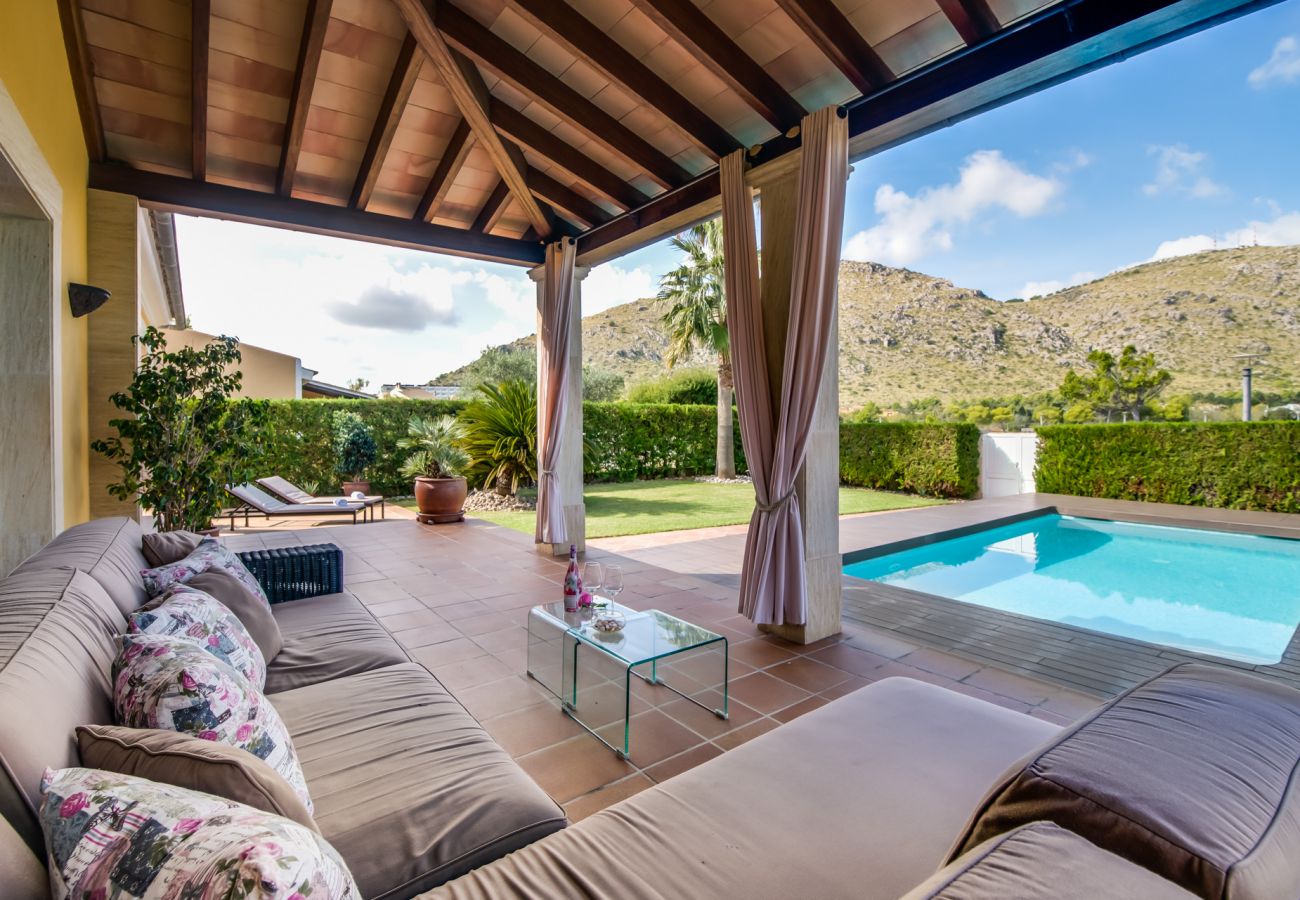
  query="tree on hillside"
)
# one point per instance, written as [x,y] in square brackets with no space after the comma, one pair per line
[1123,384]
[499,365]
[697,317]
[358,384]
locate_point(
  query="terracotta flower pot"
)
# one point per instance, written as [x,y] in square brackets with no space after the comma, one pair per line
[441,499]
[350,486]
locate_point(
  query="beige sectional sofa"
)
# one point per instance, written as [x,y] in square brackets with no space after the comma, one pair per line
[407,786]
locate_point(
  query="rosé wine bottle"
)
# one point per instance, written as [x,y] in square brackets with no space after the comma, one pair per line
[572,581]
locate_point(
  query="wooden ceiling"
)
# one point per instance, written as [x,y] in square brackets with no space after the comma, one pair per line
[482,127]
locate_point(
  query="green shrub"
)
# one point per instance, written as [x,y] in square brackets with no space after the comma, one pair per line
[499,434]
[629,441]
[354,446]
[932,459]
[687,386]
[1236,465]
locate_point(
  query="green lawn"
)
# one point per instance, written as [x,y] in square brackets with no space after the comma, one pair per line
[643,507]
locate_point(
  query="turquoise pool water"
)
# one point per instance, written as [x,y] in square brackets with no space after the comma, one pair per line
[1230,595]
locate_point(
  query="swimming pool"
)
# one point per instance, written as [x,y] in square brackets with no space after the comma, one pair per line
[1230,595]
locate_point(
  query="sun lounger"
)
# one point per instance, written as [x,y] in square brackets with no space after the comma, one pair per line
[289,492]
[255,501]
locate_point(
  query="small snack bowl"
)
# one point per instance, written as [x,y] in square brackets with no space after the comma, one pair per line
[608,621]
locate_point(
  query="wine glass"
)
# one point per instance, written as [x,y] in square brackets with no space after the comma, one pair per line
[613,582]
[592,576]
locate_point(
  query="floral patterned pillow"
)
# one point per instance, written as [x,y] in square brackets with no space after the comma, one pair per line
[176,685]
[190,614]
[112,835]
[209,554]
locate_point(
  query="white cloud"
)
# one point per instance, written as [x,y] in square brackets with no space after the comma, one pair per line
[1180,171]
[912,227]
[611,285]
[1281,231]
[1043,288]
[389,309]
[1282,67]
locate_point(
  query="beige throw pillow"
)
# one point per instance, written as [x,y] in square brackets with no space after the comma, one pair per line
[252,611]
[184,761]
[167,547]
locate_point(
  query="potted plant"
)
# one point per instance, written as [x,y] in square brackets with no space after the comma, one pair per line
[436,464]
[500,436]
[183,438]
[354,451]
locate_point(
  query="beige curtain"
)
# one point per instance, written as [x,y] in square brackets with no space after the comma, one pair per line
[555,307]
[772,578]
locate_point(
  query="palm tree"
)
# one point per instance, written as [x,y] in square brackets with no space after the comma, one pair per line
[697,317]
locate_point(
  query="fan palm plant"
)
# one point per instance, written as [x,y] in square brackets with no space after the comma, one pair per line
[697,318]
[499,434]
[436,451]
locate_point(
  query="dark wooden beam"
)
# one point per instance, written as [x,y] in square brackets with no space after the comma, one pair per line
[200,26]
[173,194]
[469,37]
[467,89]
[400,85]
[523,130]
[493,207]
[83,79]
[687,24]
[462,139]
[973,19]
[566,199]
[576,33]
[304,80]
[841,43]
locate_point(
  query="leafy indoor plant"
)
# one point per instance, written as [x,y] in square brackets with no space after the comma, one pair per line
[183,437]
[354,451]
[500,436]
[436,464]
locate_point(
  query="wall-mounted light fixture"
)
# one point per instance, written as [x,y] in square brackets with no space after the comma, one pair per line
[86,298]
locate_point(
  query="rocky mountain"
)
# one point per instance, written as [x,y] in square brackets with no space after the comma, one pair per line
[905,335]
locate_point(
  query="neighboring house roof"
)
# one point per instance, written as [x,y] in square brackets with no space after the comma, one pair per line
[312,386]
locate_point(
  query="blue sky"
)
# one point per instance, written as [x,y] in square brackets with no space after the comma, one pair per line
[1190,146]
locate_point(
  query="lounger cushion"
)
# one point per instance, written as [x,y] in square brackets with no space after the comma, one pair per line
[1192,775]
[249,609]
[859,799]
[1044,862]
[191,763]
[108,550]
[328,637]
[166,547]
[408,787]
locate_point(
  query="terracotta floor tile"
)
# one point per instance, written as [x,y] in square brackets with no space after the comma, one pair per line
[704,722]
[682,762]
[462,610]
[446,652]
[881,644]
[482,624]
[733,739]
[594,802]
[848,686]
[425,635]
[808,674]
[577,766]
[404,621]
[765,693]
[654,737]
[526,730]
[940,663]
[850,659]
[510,637]
[497,698]
[798,709]
[760,653]
[470,672]
[381,608]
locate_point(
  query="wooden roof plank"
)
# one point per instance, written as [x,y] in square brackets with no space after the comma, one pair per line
[304,79]
[453,157]
[973,19]
[405,73]
[470,94]
[689,26]
[83,79]
[589,43]
[178,194]
[475,41]
[201,23]
[492,208]
[565,198]
[834,35]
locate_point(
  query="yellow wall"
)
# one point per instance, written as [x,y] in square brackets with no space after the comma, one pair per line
[267,375]
[34,70]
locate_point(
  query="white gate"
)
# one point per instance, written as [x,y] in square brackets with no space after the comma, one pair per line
[1007,463]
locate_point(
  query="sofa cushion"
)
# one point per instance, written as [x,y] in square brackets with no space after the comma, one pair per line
[24,876]
[192,763]
[58,637]
[108,550]
[1041,861]
[235,596]
[327,637]
[856,800]
[209,554]
[118,836]
[163,682]
[194,616]
[408,787]
[166,547]
[1192,775]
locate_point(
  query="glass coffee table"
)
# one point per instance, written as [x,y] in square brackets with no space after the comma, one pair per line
[592,671]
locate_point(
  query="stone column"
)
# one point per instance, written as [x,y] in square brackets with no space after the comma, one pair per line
[568,472]
[818,482]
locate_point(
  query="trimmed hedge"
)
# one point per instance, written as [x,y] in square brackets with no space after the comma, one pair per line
[1236,465]
[631,441]
[941,459]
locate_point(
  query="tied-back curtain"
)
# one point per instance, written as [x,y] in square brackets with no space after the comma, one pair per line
[772,589]
[556,307]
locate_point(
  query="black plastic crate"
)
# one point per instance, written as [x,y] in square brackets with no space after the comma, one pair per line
[292,573]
